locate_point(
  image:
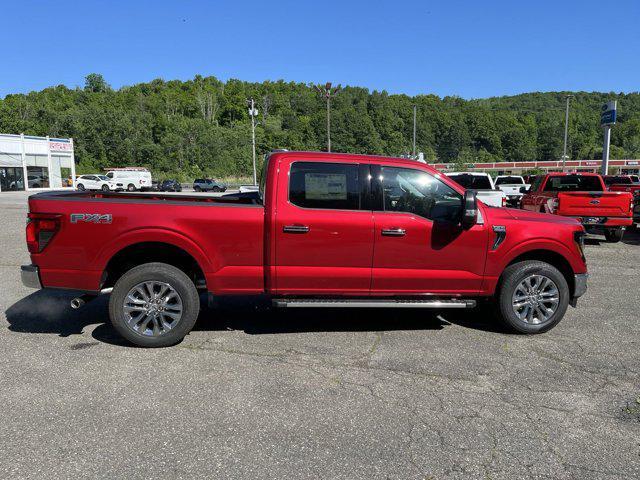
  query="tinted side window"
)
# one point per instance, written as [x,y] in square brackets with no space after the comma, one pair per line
[415,191]
[535,183]
[324,185]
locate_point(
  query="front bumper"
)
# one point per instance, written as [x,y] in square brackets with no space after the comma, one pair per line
[30,276]
[580,283]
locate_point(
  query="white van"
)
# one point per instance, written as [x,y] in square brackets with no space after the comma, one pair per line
[131,180]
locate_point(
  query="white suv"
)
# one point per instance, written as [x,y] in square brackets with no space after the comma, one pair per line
[96,182]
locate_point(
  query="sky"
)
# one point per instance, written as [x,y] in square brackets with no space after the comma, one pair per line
[472,49]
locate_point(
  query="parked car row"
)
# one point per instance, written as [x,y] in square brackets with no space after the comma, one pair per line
[116,180]
[607,204]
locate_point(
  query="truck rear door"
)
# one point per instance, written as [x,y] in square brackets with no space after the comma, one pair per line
[323,228]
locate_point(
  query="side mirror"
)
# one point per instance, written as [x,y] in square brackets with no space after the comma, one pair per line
[469,209]
[523,189]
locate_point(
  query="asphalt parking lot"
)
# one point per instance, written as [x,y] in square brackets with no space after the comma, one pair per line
[253,393]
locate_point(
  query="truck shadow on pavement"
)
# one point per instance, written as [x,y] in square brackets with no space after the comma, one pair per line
[632,236]
[48,311]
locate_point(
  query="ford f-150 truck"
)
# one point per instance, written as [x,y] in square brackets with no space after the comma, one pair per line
[511,185]
[621,183]
[325,230]
[582,196]
[483,185]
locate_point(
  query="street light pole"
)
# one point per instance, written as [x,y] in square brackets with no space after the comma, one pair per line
[414,131]
[566,133]
[253,113]
[327,92]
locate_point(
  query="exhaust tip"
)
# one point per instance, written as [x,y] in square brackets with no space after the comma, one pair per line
[77,303]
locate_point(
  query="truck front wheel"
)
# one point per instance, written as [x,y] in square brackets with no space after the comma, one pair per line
[533,297]
[154,305]
[613,235]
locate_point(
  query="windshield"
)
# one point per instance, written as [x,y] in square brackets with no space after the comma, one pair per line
[509,181]
[617,180]
[573,183]
[103,177]
[473,182]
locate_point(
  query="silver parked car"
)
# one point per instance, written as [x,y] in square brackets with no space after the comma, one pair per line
[208,185]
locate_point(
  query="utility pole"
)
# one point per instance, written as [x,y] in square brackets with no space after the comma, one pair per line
[566,133]
[414,130]
[253,113]
[327,92]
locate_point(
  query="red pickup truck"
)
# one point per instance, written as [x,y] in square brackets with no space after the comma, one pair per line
[325,230]
[582,196]
[621,183]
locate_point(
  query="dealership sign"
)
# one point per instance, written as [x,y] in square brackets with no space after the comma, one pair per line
[608,113]
[60,146]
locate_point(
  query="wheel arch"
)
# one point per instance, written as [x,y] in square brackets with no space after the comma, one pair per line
[142,252]
[551,257]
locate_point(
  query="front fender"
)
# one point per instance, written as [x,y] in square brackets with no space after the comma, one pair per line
[538,244]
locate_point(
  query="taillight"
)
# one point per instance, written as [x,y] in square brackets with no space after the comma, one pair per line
[41,228]
[504,201]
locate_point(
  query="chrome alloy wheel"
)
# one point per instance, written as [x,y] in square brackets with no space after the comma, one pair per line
[152,308]
[535,299]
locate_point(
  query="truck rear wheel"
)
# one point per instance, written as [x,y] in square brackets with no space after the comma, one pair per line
[613,235]
[533,297]
[131,187]
[154,305]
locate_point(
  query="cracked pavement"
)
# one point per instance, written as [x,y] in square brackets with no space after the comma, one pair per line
[256,393]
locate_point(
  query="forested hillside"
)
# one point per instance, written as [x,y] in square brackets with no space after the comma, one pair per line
[201,126]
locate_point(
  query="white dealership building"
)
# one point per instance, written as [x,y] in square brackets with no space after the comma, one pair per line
[36,163]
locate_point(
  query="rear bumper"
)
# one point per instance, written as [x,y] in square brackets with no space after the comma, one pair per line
[605,221]
[30,276]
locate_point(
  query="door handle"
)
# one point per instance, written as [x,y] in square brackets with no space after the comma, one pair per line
[394,232]
[295,229]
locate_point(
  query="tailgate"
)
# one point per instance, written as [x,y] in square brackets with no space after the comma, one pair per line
[511,189]
[594,204]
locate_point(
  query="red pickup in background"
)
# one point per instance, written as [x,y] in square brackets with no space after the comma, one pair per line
[582,196]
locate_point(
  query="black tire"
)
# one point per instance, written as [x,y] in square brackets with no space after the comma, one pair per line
[613,235]
[512,278]
[155,272]
[80,187]
[216,190]
[197,188]
[105,188]
[131,187]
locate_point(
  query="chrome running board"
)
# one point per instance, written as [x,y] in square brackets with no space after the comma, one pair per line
[370,303]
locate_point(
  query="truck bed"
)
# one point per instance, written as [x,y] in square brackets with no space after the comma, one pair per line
[147,197]
[224,234]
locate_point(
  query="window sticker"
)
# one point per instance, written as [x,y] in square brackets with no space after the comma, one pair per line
[324,186]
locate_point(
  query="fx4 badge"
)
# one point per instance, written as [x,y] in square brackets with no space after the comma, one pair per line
[91,217]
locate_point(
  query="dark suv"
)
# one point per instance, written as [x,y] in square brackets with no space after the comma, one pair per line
[208,185]
[170,186]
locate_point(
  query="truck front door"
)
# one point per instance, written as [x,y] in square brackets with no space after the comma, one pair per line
[419,245]
[323,229]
